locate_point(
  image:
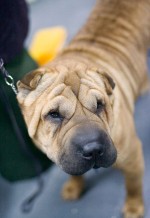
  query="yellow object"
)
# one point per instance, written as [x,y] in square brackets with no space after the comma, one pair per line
[47,43]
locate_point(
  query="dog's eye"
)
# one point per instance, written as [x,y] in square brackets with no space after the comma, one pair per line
[100,106]
[55,115]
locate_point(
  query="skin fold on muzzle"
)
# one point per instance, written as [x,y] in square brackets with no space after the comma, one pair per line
[89,147]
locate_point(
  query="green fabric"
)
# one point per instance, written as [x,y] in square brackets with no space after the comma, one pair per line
[14,164]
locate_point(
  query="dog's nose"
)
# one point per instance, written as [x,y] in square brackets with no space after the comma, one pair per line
[92,150]
[89,141]
[90,147]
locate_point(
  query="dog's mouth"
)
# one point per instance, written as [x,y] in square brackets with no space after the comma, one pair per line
[98,163]
[104,160]
[96,166]
[75,165]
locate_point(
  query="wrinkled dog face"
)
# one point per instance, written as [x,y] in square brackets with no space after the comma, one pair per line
[68,110]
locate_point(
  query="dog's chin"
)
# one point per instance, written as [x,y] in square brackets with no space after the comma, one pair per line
[74,165]
[76,170]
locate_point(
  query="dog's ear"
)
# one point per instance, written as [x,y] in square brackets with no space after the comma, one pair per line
[30,81]
[108,81]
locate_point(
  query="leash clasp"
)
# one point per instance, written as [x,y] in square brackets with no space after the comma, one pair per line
[7,77]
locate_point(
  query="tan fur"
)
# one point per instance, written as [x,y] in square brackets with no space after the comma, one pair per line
[113,43]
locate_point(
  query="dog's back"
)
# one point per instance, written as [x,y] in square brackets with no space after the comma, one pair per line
[117,36]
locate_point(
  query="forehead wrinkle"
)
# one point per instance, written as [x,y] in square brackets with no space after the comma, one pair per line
[58,90]
[73,112]
[64,97]
[84,109]
[38,92]
[70,96]
[72,80]
[95,77]
[83,103]
[91,85]
[90,95]
[58,81]
[48,94]
[100,118]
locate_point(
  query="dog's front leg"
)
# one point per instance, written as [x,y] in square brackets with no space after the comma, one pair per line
[73,188]
[133,171]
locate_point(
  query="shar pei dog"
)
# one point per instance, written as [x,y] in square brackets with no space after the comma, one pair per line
[79,107]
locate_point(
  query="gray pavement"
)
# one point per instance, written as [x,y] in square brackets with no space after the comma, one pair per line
[69,13]
[104,195]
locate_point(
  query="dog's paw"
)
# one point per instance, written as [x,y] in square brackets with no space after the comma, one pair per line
[73,189]
[133,209]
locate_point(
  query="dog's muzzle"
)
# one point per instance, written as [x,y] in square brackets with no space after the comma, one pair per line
[90,147]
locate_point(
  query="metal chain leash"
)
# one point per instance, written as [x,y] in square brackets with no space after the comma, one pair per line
[7,77]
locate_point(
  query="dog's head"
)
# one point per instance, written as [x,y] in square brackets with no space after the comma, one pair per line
[68,110]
